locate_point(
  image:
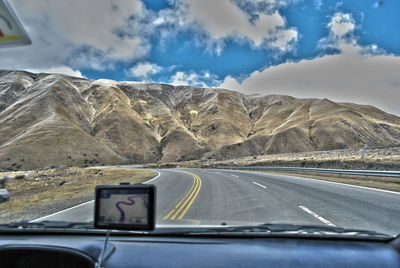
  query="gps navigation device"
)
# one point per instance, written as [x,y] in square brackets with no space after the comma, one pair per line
[125,207]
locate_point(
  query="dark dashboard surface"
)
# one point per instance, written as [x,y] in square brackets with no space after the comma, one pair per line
[124,251]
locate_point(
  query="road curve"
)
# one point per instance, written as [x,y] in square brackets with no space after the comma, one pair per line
[209,196]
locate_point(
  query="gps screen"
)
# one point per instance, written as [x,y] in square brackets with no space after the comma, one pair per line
[125,207]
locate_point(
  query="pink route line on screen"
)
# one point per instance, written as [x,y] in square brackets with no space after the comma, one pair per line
[121,211]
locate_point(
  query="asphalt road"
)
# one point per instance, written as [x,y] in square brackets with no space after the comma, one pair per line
[213,197]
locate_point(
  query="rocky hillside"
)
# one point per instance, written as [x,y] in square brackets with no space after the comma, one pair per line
[53,120]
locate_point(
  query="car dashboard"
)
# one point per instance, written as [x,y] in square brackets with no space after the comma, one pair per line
[148,251]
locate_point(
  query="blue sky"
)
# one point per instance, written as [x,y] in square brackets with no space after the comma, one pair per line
[304,48]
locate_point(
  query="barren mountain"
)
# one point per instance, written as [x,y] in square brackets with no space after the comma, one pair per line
[53,120]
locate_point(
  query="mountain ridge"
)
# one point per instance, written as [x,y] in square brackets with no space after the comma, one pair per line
[52,120]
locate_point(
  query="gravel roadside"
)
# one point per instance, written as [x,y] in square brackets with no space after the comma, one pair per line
[42,193]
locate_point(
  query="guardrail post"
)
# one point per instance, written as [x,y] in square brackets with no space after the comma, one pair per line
[366,177]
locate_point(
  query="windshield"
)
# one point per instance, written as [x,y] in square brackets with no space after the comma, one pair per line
[240,112]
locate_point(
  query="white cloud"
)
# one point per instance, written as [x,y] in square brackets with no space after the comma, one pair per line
[341,24]
[204,79]
[341,33]
[364,79]
[284,39]
[58,70]
[223,18]
[357,74]
[144,70]
[90,22]
[183,79]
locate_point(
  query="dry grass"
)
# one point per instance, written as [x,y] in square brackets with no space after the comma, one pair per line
[369,156]
[49,187]
[385,183]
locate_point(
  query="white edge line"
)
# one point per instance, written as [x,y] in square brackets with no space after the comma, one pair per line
[317,216]
[265,187]
[323,181]
[154,177]
[82,204]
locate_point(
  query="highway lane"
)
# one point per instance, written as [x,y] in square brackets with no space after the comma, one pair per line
[206,196]
[339,204]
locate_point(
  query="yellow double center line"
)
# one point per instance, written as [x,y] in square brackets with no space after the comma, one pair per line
[182,207]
